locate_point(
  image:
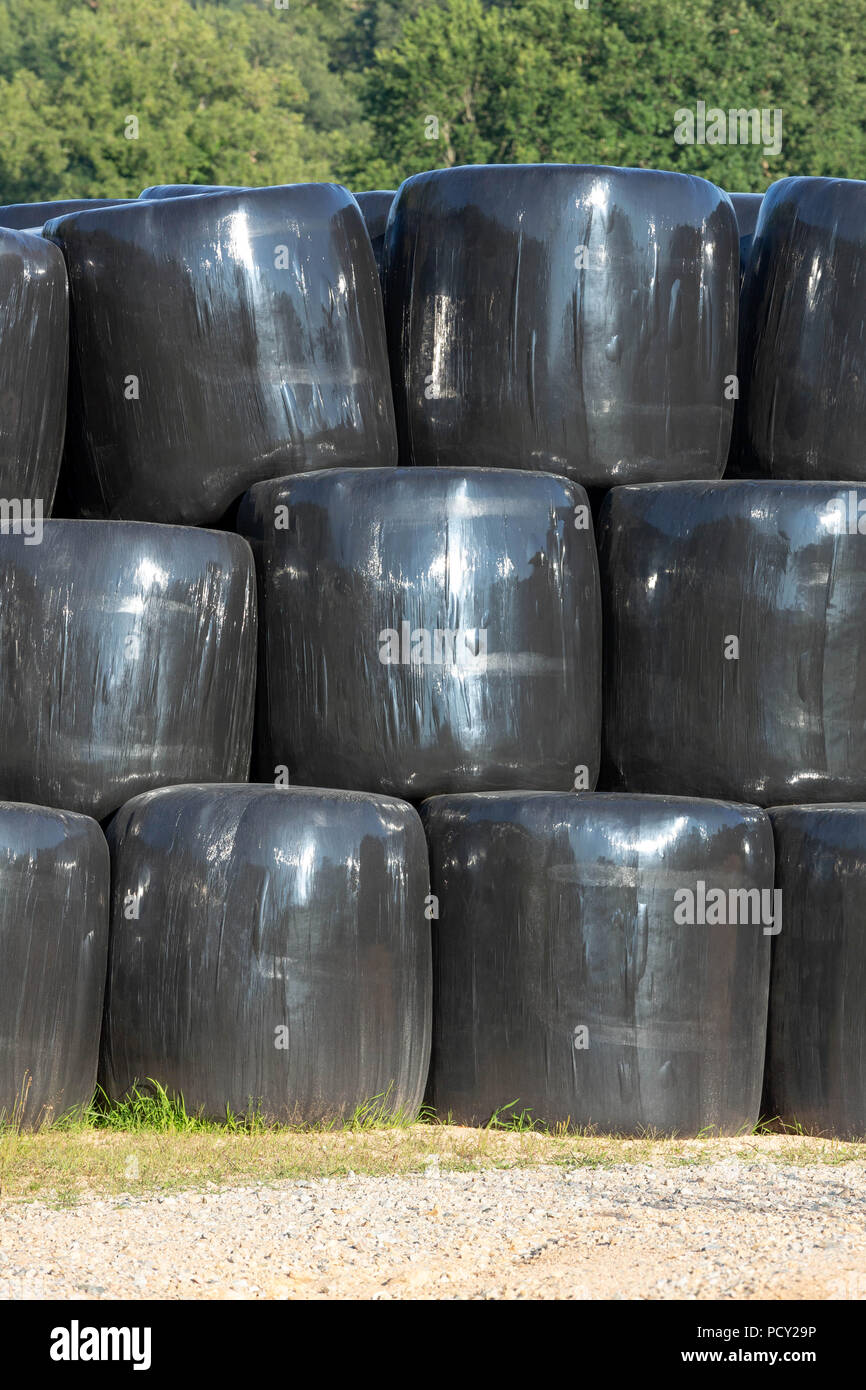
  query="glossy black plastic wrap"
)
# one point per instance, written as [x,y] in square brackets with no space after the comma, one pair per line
[747,206]
[803,348]
[269,951]
[127,655]
[816,1045]
[570,318]
[568,980]
[375,206]
[54,880]
[34,332]
[186,190]
[249,325]
[426,630]
[24,216]
[735,640]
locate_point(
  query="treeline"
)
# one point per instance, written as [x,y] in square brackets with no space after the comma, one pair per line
[275,91]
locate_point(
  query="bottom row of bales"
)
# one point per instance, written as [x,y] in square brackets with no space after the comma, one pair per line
[598,960]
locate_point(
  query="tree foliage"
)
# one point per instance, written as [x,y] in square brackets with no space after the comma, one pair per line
[370,91]
[546,80]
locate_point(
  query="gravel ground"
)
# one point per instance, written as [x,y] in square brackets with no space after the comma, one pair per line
[725,1230]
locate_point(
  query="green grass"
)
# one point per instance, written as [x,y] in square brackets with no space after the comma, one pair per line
[516,1121]
[151,1142]
[155,1111]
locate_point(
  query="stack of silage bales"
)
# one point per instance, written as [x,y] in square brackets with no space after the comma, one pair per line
[597,741]
[734,630]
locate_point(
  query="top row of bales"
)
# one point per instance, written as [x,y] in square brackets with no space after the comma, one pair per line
[573,319]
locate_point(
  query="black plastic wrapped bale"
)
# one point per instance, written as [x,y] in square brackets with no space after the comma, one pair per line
[128,661]
[568,318]
[747,206]
[186,190]
[816,1043]
[34,333]
[270,952]
[54,879]
[375,206]
[427,630]
[803,347]
[735,640]
[217,341]
[24,216]
[600,960]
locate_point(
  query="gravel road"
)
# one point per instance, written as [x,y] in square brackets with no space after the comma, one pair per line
[725,1230]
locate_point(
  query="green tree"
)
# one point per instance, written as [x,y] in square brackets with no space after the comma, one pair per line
[440,95]
[544,80]
[370,91]
[209,106]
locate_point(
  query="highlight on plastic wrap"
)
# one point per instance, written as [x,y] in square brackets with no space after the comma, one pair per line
[127,655]
[803,347]
[735,640]
[216,341]
[426,630]
[187,190]
[54,882]
[374,206]
[34,333]
[569,318]
[600,960]
[270,952]
[25,216]
[816,1045]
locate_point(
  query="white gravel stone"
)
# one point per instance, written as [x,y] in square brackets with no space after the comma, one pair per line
[729,1230]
